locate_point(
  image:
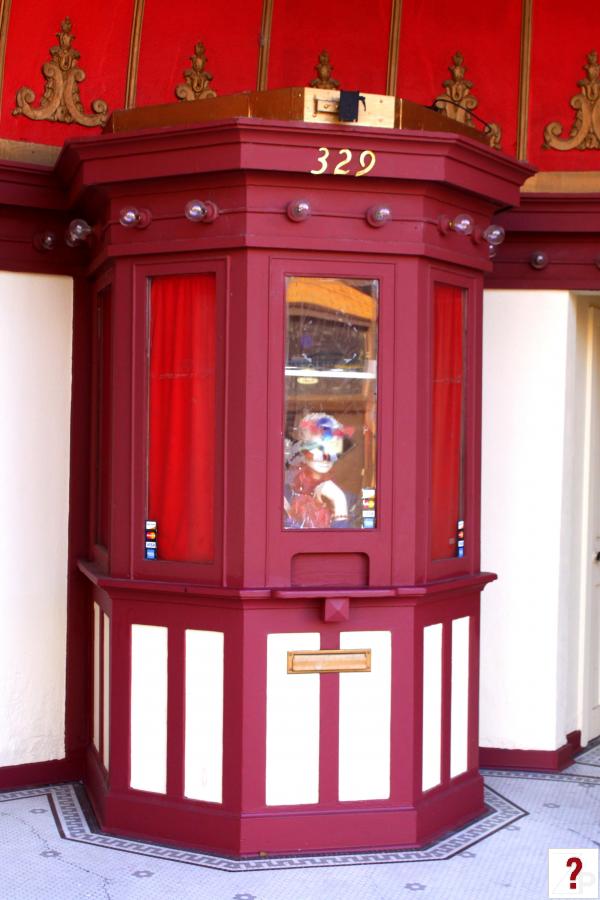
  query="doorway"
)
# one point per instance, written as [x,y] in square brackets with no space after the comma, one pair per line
[590,535]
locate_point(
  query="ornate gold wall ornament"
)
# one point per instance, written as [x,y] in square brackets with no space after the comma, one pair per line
[324,70]
[60,101]
[457,101]
[197,79]
[585,133]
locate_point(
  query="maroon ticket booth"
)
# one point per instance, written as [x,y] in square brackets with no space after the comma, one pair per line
[284,542]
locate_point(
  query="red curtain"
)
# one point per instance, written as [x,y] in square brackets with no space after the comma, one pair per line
[181,467]
[447,436]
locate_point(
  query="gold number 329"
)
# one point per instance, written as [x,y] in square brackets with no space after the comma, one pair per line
[367,161]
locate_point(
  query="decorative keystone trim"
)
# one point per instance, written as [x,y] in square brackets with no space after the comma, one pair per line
[196,78]
[457,100]
[585,133]
[61,101]
[324,77]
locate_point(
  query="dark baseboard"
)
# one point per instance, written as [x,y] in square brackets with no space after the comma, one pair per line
[532,760]
[34,774]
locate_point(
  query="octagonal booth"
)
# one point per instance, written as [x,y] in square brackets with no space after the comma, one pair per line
[284,544]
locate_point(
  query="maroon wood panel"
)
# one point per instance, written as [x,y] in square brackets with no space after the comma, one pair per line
[243,823]
[431,33]
[563,36]
[356,39]
[101,39]
[231,40]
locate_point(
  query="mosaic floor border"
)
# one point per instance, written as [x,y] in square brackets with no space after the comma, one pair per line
[75,822]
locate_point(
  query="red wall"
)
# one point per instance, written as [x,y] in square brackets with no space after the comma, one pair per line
[101,39]
[231,42]
[431,33]
[358,44]
[563,35]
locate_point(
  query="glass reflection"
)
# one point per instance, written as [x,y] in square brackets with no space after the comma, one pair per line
[330,403]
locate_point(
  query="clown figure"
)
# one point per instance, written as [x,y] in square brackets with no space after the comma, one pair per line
[312,499]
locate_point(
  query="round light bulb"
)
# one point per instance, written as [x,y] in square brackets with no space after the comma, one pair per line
[77,231]
[378,216]
[129,217]
[298,210]
[201,211]
[45,241]
[196,210]
[494,235]
[463,224]
[538,259]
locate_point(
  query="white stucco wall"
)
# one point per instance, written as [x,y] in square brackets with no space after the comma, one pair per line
[525,646]
[35,390]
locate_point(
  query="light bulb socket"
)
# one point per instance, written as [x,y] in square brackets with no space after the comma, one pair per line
[201,211]
[298,210]
[132,217]
[538,259]
[377,216]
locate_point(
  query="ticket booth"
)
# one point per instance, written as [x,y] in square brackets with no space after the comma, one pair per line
[284,541]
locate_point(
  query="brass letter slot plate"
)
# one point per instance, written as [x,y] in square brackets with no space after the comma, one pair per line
[305,661]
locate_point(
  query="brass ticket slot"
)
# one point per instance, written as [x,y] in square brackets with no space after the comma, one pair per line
[301,662]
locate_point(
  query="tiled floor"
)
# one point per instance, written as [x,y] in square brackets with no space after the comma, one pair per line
[49,852]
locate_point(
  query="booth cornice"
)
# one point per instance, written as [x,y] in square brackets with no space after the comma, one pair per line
[22,184]
[293,148]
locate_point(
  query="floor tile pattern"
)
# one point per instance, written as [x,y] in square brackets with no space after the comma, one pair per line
[50,851]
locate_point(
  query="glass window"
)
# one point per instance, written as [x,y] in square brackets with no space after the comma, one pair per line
[330,433]
[448,422]
[182,417]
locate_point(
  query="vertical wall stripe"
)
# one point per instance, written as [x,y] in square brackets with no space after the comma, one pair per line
[149,650]
[134,54]
[365,720]
[293,706]
[4,20]
[394,48]
[96,701]
[432,705]
[106,694]
[204,666]
[265,45]
[459,719]
[524,79]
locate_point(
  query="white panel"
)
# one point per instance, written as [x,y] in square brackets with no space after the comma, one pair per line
[204,663]
[529,442]
[292,774]
[365,709]
[459,727]
[106,695]
[432,705]
[96,711]
[149,649]
[36,333]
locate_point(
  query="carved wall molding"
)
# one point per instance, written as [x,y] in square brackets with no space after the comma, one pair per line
[197,79]
[60,101]
[324,69]
[457,101]
[585,133]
